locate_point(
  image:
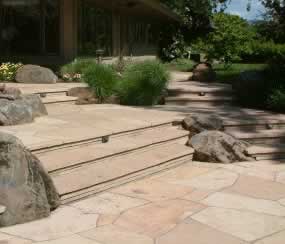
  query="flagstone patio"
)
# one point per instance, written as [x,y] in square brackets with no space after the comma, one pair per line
[195,203]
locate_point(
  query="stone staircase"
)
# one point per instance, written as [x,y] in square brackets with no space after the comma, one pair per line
[197,94]
[83,168]
[266,136]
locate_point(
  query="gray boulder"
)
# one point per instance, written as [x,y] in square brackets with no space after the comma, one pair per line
[35,74]
[197,123]
[22,110]
[27,192]
[219,147]
[81,92]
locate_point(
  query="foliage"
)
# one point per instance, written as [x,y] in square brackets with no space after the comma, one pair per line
[172,43]
[143,83]
[8,71]
[74,70]
[102,79]
[181,64]
[231,37]
[276,100]
[264,52]
[231,74]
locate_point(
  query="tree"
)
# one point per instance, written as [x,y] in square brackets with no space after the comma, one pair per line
[231,37]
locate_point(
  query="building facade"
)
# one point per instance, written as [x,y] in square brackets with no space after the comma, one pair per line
[57,31]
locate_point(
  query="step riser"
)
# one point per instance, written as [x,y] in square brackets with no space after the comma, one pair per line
[193,94]
[99,139]
[198,103]
[69,198]
[252,128]
[270,156]
[133,150]
[267,141]
[60,102]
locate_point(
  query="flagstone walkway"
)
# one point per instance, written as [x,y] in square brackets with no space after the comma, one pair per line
[197,203]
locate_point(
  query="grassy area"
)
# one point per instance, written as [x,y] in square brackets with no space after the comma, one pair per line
[231,74]
[183,65]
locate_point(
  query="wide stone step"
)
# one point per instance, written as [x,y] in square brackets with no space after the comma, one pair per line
[253,125]
[266,152]
[53,98]
[273,136]
[89,179]
[60,159]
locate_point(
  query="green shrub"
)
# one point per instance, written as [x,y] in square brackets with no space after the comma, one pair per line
[265,52]
[143,83]
[8,71]
[276,100]
[74,70]
[181,64]
[102,79]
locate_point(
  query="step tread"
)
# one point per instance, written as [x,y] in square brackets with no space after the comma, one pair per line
[55,98]
[274,133]
[266,149]
[89,175]
[67,157]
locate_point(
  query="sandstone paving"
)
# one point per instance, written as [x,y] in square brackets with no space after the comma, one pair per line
[194,232]
[248,226]
[63,222]
[277,238]
[116,235]
[214,180]
[73,239]
[198,195]
[258,188]
[280,177]
[108,204]
[8,239]
[157,218]
[239,202]
[153,190]
[106,219]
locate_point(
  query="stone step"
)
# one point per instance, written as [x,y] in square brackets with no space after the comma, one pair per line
[274,136]
[78,183]
[267,152]
[39,148]
[251,124]
[61,159]
[58,98]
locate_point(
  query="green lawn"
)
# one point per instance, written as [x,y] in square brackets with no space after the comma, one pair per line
[231,74]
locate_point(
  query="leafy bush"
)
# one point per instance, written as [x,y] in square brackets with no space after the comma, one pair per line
[265,52]
[181,64]
[8,71]
[74,70]
[276,100]
[143,83]
[102,79]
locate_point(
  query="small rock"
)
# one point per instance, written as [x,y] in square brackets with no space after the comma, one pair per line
[218,147]
[35,74]
[197,123]
[80,92]
[204,72]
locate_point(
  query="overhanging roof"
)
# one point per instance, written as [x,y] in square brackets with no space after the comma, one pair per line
[156,5]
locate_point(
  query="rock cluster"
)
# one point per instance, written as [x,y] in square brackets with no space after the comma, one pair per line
[16,108]
[27,192]
[35,74]
[211,144]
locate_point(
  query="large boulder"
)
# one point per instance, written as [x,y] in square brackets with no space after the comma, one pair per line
[27,192]
[219,147]
[197,123]
[9,93]
[80,92]
[21,110]
[35,74]
[204,72]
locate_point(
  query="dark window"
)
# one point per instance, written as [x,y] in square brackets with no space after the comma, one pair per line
[95,29]
[29,27]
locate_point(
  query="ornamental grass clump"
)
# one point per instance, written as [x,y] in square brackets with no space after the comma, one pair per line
[143,83]
[8,71]
[102,79]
